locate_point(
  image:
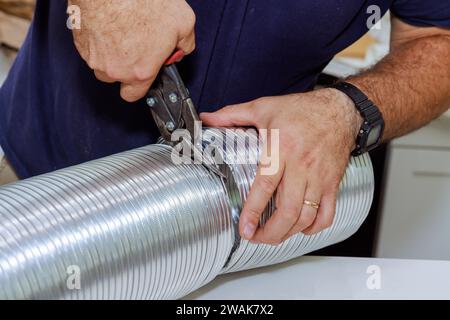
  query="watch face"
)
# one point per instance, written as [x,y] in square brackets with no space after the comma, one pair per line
[374,135]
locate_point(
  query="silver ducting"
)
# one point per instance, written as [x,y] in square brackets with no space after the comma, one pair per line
[137,226]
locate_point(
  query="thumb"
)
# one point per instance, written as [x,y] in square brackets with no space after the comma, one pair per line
[240,115]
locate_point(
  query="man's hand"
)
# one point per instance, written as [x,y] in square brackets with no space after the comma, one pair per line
[317,135]
[129,41]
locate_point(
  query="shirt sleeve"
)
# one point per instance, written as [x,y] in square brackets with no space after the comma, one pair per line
[423,13]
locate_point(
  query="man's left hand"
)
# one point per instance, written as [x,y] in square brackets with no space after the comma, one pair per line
[317,134]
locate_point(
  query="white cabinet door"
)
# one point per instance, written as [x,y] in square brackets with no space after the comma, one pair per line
[416,217]
[435,135]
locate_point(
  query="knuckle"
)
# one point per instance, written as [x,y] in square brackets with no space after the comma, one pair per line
[99,75]
[228,109]
[267,185]
[256,110]
[86,55]
[258,115]
[308,158]
[142,74]
[253,215]
[264,101]
[113,73]
[93,64]
[252,111]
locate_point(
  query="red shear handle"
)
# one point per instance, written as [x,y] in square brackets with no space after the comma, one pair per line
[176,57]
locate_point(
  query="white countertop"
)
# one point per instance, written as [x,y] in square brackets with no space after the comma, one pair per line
[334,278]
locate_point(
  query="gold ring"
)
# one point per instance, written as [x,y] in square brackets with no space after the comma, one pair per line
[311,204]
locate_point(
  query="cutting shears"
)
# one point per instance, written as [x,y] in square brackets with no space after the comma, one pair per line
[173,109]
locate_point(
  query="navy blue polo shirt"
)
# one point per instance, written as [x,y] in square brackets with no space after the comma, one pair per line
[54,113]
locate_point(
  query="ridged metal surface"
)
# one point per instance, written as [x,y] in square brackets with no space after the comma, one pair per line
[139,227]
[353,205]
[354,202]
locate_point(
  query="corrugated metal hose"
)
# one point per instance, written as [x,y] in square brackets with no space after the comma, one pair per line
[137,226]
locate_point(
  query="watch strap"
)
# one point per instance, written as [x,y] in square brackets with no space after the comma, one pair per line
[369,111]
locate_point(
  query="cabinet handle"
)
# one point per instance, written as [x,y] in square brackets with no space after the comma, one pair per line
[431,174]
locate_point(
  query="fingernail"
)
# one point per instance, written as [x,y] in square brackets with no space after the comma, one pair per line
[249,231]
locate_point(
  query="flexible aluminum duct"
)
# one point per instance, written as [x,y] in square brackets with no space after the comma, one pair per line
[136,226]
[355,200]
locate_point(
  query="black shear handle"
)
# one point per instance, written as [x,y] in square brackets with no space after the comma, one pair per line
[166,98]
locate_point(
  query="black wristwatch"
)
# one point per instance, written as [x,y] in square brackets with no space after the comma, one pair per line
[371,134]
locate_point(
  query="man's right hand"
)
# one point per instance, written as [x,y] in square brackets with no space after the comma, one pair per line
[129,41]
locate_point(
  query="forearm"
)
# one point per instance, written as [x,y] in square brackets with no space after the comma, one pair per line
[411,86]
